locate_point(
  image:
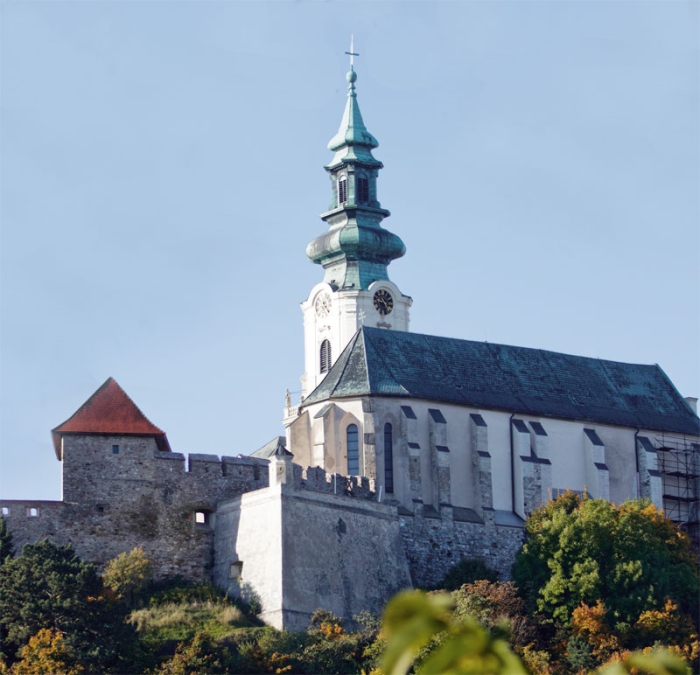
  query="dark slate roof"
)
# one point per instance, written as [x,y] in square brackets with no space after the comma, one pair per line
[514,379]
[276,447]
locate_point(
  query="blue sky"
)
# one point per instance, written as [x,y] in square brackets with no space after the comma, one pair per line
[162,174]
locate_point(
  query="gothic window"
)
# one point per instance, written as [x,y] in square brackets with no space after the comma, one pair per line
[342,189]
[362,191]
[325,356]
[353,451]
[388,458]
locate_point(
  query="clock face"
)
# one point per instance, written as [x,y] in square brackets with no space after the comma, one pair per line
[323,304]
[383,302]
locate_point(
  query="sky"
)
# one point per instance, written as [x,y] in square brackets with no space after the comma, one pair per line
[161,173]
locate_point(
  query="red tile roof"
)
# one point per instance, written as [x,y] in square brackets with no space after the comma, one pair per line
[109,411]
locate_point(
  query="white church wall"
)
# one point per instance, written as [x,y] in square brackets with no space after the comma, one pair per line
[606,467]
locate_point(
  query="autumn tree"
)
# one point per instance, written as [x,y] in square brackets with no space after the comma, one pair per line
[128,575]
[47,652]
[630,557]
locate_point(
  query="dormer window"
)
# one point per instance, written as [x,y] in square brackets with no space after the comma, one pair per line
[325,356]
[342,189]
[362,191]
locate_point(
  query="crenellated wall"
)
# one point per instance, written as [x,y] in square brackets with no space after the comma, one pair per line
[121,492]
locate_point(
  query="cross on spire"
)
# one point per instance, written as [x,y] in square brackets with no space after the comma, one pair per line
[351,53]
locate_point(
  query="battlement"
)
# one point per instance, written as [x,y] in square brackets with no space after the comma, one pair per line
[315,479]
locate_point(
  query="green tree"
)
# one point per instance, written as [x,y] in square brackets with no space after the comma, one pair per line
[128,575]
[7,549]
[48,586]
[584,550]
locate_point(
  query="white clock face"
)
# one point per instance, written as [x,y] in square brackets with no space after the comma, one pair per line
[323,304]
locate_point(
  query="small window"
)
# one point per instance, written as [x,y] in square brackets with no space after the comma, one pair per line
[353,450]
[5,511]
[32,512]
[100,508]
[362,191]
[325,356]
[236,570]
[342,190]
[388,459]
[201,518]
[115,449]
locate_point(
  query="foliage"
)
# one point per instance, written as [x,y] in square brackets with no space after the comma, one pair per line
[498,607]
[582,550]
[7,549]
[199,655]
[667,626]
[128,575]
[47,652]
[412,619]
[467,571]
[48,586]
[655,662]
[176,590]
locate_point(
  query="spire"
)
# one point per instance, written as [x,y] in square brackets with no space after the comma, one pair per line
[352,133]
[356,250]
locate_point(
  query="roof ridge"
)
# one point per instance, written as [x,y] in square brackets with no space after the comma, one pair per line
[380,355]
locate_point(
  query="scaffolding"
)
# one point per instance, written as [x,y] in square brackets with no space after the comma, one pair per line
[679,464]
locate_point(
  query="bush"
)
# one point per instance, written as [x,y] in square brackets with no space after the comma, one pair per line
[467,571]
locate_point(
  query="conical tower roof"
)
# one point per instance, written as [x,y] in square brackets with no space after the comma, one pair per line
[109,411]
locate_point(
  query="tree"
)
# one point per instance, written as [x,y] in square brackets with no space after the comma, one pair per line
[128,575]
[7,549]
[199,655]
[47,652]
[583,550]
[48,586]
[498,607]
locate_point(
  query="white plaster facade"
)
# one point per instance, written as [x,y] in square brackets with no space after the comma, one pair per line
[335,315]
[607,461]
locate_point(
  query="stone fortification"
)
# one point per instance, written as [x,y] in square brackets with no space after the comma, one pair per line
[121,492]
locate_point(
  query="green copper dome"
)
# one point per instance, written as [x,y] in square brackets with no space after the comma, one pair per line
[356,249]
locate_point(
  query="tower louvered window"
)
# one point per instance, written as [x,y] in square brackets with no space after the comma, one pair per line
[388,458]
[353,450]
[363,191]
[325,356]
[342,190]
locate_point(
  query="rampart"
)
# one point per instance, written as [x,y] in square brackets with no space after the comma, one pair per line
[138,496]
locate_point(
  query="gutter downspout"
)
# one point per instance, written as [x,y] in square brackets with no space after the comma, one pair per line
[636,461]
[512,464]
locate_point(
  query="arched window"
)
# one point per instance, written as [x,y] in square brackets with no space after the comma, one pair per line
[325,356]
[353,451]
[388,458]
[362,191]
[342,189]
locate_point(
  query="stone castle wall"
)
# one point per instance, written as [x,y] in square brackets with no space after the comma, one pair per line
[136,496]
[327,542]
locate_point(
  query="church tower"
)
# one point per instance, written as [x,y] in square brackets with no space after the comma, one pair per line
[354,252]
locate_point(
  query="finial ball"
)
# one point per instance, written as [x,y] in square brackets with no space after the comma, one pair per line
[351,76]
